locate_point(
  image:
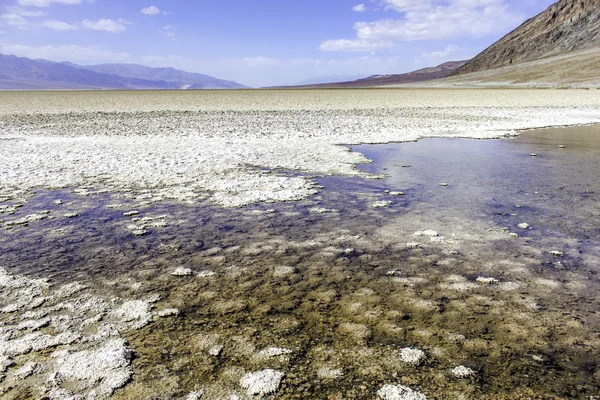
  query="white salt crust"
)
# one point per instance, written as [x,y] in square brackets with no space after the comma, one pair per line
[262,382]
[233,148]
[399,392]
[93,360]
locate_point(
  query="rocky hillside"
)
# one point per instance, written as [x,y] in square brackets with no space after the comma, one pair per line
[565,26]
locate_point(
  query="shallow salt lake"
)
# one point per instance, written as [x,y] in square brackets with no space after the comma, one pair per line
[345,280]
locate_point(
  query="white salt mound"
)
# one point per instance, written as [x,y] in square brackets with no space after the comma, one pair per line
[195,395]
[412,356]
[462,372]
[487,281]
[399,392]
[215,351]
[261,382]
[382,204]
[181,271]
[167,312]
[105,368]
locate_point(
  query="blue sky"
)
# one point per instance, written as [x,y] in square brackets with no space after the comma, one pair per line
[260,43]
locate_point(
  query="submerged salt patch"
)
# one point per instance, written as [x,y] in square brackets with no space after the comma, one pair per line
[428,232]
[330,373]
[262,382]
[399,392]
[133,314]
[321,210]
[273,352]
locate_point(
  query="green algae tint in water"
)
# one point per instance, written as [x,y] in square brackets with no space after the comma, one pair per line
[330,290]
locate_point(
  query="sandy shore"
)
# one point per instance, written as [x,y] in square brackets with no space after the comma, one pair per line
[239,147]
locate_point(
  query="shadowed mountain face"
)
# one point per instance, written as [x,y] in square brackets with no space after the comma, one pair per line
[24,73]
[565,26]
[421,75]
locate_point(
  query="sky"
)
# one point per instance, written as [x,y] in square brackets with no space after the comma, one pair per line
[261,42]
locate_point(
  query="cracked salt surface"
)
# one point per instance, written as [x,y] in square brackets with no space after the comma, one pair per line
[93,359]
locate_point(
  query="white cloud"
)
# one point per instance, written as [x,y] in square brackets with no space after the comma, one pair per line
[107,25]
[359,8]
[15,20]
[48,3]
[429,20]
[436,55]
[72,53]
[440,19]
[23,12]
[168,31]
[354,45]
[152,10]
[59,26]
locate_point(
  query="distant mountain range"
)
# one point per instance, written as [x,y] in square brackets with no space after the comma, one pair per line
[421,75]
[25,73]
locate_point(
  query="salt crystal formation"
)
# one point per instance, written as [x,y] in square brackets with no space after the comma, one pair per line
[261,382]
[412,356]
[93,360]
[487,281]
[181,271]
[399,392]
[195,395]
[102,369]
[462,372]
[382,204]
[168,312]
[273,352]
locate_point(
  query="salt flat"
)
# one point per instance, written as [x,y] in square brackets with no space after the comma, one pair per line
[468,272]
[239,147]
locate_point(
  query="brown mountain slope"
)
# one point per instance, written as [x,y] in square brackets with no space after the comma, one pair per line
[421,75]
[565,26]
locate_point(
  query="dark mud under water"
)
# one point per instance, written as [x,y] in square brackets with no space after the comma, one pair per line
[359,284]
